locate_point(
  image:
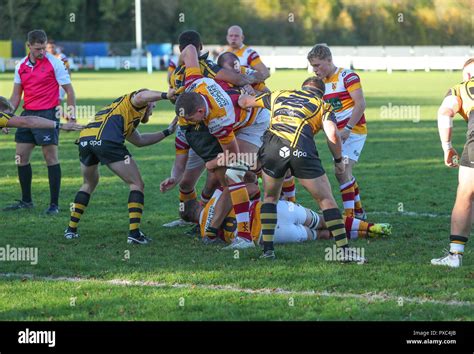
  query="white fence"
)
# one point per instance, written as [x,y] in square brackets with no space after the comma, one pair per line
[386,58]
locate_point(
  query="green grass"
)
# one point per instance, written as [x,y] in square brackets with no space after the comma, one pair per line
[401,163]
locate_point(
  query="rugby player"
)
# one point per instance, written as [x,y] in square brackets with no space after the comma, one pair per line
[209,117]
[103,141]
[52,49]
[247,56]
[9,120]
[344,93]
[294,224]
[459,99]
[195,165]
[296,115]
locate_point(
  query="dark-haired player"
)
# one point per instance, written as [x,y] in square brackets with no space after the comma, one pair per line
[296,115]
[103,141]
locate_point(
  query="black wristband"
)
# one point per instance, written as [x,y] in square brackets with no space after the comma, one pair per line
[164,96]
[339,160]
[57,124]
[166,132]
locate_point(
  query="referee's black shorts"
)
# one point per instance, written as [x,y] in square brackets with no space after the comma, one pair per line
[277,156]
[37,136]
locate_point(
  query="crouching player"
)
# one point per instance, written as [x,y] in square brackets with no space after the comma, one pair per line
[103,141]
[296,116]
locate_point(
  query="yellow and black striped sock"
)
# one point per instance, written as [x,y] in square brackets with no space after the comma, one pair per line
[268,219]
[335,224]
[77,209]
[457,244]
[136,200]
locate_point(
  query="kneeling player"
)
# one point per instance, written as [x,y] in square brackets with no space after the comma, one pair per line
[103,141]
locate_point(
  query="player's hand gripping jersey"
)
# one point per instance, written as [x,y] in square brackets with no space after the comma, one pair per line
[116,121]
[337,94]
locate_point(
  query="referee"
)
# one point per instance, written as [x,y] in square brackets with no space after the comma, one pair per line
[38,77]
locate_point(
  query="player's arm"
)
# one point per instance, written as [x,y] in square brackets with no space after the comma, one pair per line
[141,140]
[177,173]
[34,122]
[357,96]
[446,112]
[71,101]
[353,86]
[262,70]
[234,78]
[249,101]
[333,140]
[142,98]
[16,95]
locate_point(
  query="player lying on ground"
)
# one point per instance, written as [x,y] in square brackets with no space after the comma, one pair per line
[213,123]
[103,141]
[295,223]
[9,120]
[296,116]
[459,99]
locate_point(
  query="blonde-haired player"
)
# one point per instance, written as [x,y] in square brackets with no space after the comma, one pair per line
[344,92]
[459,99]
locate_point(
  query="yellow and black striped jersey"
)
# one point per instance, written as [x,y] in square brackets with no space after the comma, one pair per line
[465,92]
[296,115]
[116,121]
[4,118]
[208,69]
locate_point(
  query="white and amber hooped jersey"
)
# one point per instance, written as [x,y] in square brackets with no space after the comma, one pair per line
[247,56]
[338,88]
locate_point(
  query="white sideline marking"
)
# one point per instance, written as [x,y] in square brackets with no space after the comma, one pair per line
[408,213]
[265,291]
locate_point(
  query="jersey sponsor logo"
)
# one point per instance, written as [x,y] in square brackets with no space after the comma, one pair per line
[95,142]
[298,153]
[334,85]
[285,152]
[351,78]
[216,124]
[218,95]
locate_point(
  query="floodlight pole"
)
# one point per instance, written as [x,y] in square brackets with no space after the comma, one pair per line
[138,23]
[138,29]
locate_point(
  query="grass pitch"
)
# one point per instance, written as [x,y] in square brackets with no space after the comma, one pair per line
[402,180]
